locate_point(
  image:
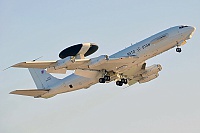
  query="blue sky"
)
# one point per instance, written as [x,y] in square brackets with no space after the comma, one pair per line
[30,29]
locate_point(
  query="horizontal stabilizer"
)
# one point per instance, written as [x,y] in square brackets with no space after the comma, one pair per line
[35,64]
[33,93]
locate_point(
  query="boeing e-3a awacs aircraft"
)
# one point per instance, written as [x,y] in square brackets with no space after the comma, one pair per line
[124,67]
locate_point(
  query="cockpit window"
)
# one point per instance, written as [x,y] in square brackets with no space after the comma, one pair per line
[181,27]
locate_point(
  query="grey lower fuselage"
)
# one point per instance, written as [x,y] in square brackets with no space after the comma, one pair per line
[144,50]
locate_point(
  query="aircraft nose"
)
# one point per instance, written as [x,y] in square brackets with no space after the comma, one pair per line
[190,32]
[192,28]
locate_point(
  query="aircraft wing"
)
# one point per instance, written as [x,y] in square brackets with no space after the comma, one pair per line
[121,60]
[99,63]
[35,64]
[116,64]
[111,65]
[34,92]
[48,64]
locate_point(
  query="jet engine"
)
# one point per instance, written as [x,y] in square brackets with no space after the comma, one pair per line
[148,78]
[63,63]
[152,70]
[150,73]
[97,61]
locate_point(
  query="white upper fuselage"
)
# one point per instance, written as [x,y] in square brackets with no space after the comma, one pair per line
[145,49]
[162,41]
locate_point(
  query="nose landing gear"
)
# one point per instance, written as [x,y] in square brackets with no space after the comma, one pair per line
[178,50]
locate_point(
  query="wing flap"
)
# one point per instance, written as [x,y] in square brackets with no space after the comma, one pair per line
[33,92]
[35,64]
[131,82]
[87,73]
[60,71]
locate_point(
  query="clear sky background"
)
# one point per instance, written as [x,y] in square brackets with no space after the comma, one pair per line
[34,28]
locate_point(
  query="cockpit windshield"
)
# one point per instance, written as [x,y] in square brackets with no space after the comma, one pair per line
[181,27]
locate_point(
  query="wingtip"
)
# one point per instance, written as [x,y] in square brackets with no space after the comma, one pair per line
[18,64]
[12,92]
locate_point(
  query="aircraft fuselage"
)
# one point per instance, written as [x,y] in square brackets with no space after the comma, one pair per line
[145,49]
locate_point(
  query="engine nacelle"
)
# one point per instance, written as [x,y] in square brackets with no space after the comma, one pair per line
[152,70]
[149,78]
[97,61]
[63,63]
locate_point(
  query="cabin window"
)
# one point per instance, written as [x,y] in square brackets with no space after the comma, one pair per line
[71,86]
[160,38]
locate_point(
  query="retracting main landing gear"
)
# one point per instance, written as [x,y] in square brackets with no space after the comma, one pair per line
[107,78]
[119,83]
[178,45]
[123,81]
[104,79]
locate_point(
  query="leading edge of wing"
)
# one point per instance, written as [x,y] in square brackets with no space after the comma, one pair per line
[114,63]
[123,59]
[35,64]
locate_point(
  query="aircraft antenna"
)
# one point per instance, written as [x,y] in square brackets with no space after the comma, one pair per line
[37,58]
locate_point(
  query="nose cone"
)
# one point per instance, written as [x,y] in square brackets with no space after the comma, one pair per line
[191,32]
[192,29]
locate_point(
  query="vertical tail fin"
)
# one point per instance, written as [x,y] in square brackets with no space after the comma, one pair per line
[42,79]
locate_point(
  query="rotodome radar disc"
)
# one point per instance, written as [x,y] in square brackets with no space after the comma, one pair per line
[85,48]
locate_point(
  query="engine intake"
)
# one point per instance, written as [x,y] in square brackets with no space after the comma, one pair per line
[97,61]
